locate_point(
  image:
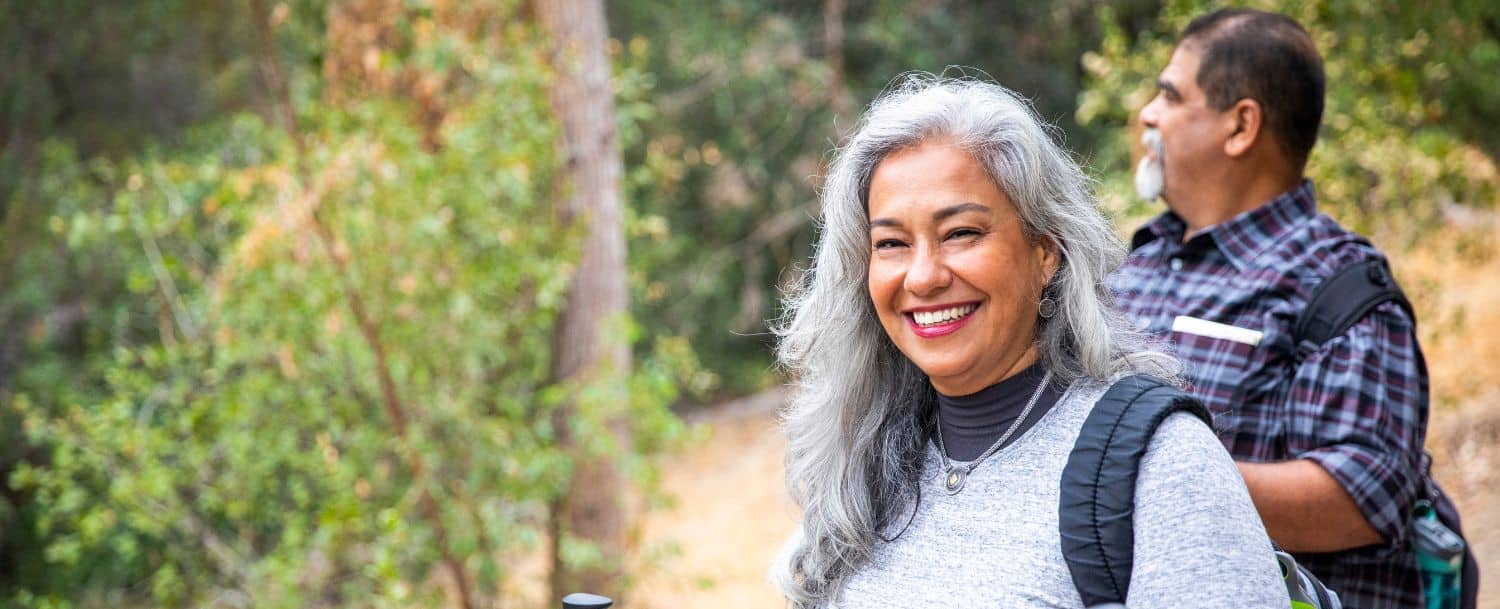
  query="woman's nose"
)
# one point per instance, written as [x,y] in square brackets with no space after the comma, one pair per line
[928,273]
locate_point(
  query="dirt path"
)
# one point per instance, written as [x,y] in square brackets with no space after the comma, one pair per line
[732,512]
[1466,461]
[731,515]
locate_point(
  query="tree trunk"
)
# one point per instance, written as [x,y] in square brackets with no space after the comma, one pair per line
[833,53]
[588,346]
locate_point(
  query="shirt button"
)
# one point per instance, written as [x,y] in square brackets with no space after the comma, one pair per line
[1176,264]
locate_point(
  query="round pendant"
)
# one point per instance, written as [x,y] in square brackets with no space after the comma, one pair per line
[955,481]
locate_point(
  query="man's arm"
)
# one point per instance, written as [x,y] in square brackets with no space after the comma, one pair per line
[1356,416]
[1305,509]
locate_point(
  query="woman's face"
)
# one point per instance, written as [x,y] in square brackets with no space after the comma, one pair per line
[953,278]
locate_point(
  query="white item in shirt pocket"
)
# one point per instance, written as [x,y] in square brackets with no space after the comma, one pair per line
[1213,329]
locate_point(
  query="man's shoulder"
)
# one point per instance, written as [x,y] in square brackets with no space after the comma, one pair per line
[1318,246]
[1317,249]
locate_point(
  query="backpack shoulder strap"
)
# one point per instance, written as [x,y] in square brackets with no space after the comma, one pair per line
[1342,300]
[1096,505]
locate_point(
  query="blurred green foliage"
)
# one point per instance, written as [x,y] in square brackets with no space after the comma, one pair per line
[749,97]
[191,410]
[211,321]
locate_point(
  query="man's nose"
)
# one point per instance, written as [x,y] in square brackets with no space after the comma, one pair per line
[929,273]
[1148,114]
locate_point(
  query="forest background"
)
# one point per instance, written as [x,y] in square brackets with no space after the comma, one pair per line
[281,283]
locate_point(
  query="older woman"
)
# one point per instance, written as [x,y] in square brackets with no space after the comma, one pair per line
[947,345]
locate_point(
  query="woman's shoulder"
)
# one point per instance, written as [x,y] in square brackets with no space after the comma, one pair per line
[1199,541]
[1085,391]
[1187,464]
[1182,441]
[1181,438]
[1183,433]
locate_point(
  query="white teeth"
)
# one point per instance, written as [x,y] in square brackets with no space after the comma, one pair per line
[932,318]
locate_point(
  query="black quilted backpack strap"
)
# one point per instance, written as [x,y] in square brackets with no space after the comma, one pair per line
[1342,300]
[1096,506]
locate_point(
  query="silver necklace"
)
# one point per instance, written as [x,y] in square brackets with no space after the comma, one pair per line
[957,475]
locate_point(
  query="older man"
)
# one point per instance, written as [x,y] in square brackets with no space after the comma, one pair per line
[1329,436]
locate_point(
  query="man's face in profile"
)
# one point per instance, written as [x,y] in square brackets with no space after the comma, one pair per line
[1182,134]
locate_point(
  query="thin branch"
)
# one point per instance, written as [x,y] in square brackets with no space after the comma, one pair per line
[674,102]
[833,52]
[276,75]
[768,231]
[368,328]
[180,315]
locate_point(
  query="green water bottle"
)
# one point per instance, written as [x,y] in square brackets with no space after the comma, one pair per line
[1440,558]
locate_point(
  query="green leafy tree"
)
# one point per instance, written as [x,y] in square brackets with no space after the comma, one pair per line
[322,377]
[750,96]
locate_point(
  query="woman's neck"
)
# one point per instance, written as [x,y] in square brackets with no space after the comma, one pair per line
[972,423]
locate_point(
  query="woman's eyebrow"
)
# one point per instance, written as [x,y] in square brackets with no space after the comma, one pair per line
[938,216]
[948,212]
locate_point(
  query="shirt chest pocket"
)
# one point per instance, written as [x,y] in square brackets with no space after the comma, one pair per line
[1216,358]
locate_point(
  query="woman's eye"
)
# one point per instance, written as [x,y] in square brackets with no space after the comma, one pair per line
[885,244]
[963,233]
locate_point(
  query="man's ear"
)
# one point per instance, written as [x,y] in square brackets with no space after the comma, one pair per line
[1245,121]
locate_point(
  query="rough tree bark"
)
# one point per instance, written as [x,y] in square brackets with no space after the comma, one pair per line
[585,348]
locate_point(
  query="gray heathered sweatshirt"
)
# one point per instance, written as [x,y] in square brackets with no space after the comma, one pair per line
[1199,542]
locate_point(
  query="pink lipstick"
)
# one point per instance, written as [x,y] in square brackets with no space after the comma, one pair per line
[939,329]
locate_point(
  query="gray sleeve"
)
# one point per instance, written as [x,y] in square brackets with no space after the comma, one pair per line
[1198,540]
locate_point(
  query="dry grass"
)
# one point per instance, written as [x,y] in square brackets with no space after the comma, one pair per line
[1454,281]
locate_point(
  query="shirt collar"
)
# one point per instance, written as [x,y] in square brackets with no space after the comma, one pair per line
[1166,226]
[1243,237]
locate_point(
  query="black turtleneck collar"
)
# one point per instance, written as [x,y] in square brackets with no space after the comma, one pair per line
[971,423]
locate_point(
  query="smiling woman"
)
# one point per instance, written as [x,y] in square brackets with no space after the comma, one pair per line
[954,279]
[953,335]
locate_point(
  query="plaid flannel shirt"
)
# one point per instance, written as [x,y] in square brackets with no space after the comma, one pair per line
[1357,406]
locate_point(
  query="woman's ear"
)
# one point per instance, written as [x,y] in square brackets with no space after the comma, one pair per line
[1051,259]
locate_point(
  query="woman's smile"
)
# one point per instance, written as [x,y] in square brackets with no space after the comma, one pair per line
[941,320]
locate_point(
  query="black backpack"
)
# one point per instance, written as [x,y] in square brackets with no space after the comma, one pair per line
[1343,299]
[1338,303]
[1096,504]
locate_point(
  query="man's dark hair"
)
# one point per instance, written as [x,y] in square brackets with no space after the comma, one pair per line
[1268,58]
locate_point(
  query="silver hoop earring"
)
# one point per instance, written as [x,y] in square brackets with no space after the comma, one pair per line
[1047,308]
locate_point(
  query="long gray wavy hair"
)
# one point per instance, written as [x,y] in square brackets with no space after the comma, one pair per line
[859,420]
